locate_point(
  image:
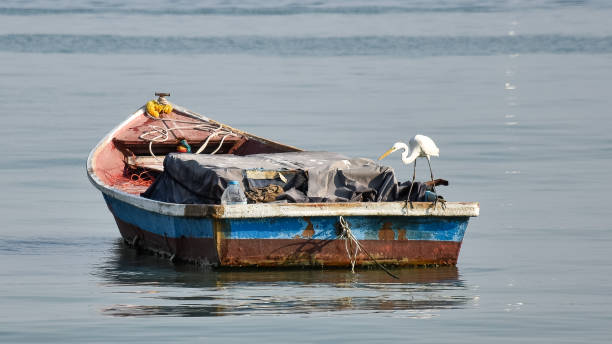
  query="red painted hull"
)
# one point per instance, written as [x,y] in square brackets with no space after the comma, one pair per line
[311,252]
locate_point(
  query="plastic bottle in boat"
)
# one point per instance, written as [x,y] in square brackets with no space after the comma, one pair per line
[233,194]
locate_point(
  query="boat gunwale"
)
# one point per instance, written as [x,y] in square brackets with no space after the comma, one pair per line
[421,209]
[263,210]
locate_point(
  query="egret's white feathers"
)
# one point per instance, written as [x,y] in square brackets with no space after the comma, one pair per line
[418,146]
[427,146]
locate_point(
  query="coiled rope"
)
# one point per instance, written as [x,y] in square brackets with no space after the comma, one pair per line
[352,242]
[159,134]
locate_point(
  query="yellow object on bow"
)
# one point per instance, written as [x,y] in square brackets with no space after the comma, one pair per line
[155,109]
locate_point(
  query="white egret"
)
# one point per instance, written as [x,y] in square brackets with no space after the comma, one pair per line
[419,146]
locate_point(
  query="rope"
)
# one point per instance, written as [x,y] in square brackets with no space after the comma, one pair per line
[151,151]
[143,178]
[212,134]
[158,134]
[220,144]
[350,240]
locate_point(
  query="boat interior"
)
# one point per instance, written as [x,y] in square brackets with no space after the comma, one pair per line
[133,157]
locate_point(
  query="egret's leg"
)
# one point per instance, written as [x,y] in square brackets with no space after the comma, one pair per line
[433,184]
[411,185]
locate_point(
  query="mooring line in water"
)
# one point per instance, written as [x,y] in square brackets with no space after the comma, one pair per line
[349,239]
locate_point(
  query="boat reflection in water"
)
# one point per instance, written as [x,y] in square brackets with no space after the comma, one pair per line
[161,288]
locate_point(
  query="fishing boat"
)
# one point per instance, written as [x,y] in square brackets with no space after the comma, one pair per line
[130,158]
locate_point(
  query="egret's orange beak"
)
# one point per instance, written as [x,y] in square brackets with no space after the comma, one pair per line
[387,153]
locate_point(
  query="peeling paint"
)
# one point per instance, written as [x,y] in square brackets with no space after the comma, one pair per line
[401,234]
[309,231]
[386,233]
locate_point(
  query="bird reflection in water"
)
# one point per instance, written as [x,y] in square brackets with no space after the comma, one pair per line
[142,284]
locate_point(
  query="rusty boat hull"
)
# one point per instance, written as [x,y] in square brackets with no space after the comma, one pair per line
[273,234]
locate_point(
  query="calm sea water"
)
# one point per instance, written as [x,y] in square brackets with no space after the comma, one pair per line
[515,93]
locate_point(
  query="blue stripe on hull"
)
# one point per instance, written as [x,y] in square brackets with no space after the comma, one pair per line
[164,225]
[363,227]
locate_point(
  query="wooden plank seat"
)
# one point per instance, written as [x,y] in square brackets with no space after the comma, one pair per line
[161,148]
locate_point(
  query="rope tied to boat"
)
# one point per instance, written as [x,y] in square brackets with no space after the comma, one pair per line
[351,241]
[160,134]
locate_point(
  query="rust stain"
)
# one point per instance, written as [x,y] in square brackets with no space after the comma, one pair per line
[235,253]
[401,234]
[386,233]
[220,229]
[309,230]
[198,210]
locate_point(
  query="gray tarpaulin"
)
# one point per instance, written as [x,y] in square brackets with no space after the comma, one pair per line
[304,177]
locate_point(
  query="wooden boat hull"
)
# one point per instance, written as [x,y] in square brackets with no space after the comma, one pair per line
[276,234]
[219,239]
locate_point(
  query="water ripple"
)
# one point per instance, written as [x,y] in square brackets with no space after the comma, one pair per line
[417,46]
[156,8]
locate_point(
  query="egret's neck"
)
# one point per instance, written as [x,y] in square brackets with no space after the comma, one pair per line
[409,156]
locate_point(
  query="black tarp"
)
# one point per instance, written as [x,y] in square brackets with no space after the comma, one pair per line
[304,176]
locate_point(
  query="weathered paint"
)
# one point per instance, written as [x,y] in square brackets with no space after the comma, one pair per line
[164,225]
[200,250]
[363,228]
[287,241]
[312,252]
